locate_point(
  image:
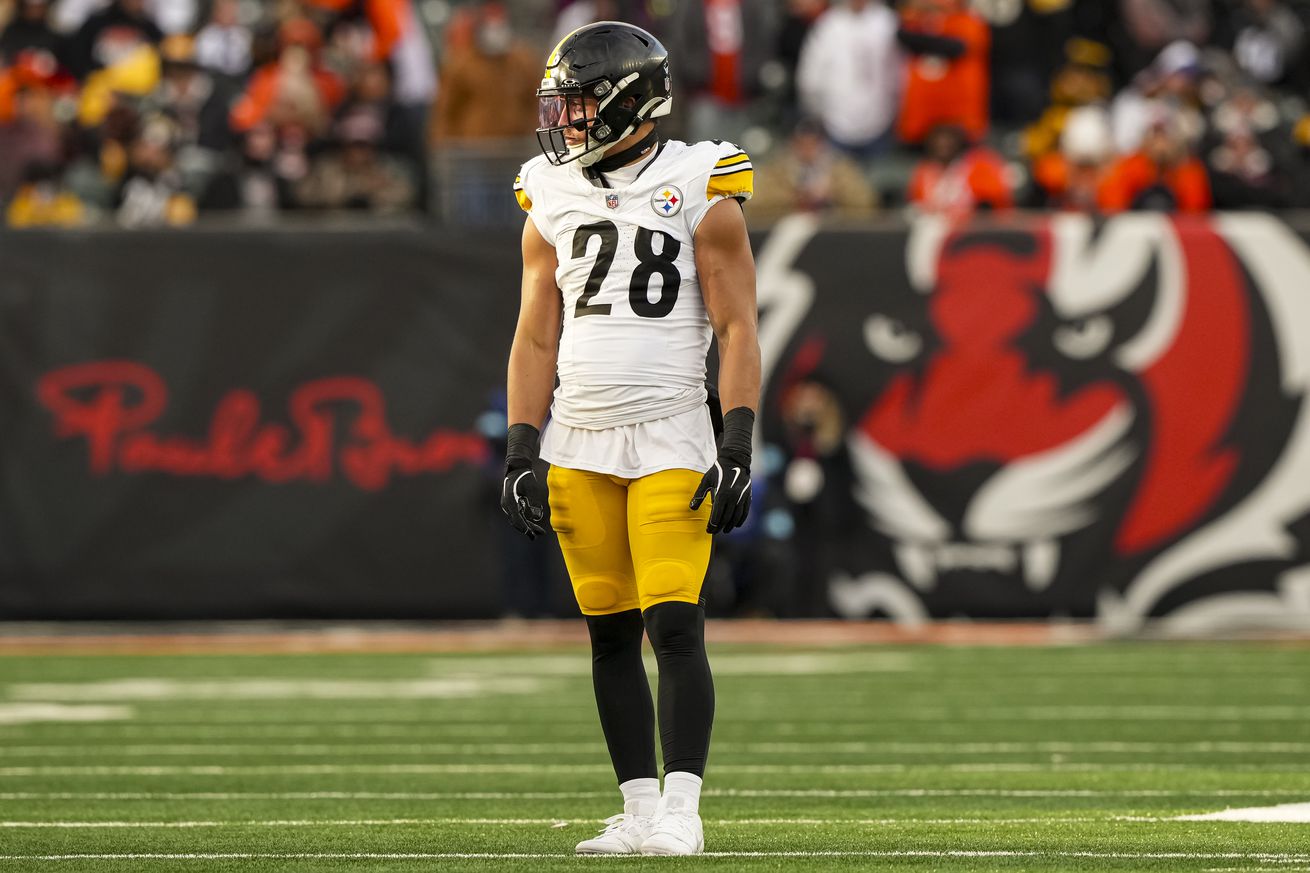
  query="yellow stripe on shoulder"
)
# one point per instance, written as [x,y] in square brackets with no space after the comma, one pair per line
[739,184]
[741,158]
[525,202]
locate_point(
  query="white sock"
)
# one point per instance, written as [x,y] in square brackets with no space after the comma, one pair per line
[682,791]
[640,796]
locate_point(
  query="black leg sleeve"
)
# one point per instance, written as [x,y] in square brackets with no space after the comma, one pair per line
[627,715]
[677,632]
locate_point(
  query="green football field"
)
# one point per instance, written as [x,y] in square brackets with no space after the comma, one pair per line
[898,758]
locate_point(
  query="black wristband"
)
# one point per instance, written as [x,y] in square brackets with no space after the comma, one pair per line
[738,428]
[521,446]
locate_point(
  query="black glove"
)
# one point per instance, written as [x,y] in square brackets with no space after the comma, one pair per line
[522,495]
[729,480]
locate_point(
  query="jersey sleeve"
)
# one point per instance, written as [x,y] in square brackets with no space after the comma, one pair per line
[524,192]
[521,194]
[730,174]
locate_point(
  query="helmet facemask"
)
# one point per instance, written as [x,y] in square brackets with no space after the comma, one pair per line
[601,83]
[598,109]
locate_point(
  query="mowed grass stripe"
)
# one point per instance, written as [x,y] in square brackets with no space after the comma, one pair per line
[561,823]
[1219,747]
[582,768]
[798,793]
[726,731]
[563,711]
[1271,857]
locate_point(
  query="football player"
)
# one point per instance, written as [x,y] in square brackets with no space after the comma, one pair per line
[634,252]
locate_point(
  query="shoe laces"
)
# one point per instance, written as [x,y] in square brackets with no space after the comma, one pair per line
[621,822]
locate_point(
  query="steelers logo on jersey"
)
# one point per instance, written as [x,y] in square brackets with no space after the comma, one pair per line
[667,200]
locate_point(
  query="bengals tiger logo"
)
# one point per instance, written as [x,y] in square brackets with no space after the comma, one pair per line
[1063,417]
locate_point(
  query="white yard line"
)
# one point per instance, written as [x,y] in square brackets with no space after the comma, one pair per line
[762,748]
[367,712]
[167,689]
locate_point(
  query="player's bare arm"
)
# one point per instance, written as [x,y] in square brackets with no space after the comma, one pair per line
[531,380]
[536,337]
[727,276]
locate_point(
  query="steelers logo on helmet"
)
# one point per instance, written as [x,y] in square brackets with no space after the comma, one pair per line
[667,200]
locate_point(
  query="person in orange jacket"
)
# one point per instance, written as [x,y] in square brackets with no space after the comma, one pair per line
[1162,174]
[948,79]
[293,89]
[955,177]
[1071,177]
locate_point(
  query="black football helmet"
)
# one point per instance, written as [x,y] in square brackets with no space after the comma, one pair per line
[603,80]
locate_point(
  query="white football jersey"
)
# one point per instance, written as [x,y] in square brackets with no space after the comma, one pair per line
[635,333]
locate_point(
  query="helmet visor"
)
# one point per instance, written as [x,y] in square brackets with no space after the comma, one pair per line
[565,120]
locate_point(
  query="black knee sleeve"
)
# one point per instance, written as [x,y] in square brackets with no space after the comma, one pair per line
[686,695]
[627,715]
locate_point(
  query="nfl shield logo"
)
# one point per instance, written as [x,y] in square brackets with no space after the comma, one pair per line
[612,201]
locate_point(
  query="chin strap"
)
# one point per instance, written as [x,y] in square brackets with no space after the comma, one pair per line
[610,162]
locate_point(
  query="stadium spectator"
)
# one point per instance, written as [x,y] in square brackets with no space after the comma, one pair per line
[223,45]
[370,92]
[722,48]
[811,175]
[797,20]
[296,88]
[1268,44]
[849,75]
[1082,80]
[1161,175]
[197,103]
[191,97]
[357,174]
[97,171]
[258,181]
[133,74]
[1250,154]
[956,178]
[1027,40]
[152,192]
[488,89]
[29,29]
[1071,177]
[1144,28]
[815,482]
[1169,86]
[42,201]
[30,133]
[111,36]
[400,42]
[947,82]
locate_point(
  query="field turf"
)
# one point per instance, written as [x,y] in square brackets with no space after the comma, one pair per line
[896,758]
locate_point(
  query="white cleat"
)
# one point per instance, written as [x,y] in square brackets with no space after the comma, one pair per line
[624,834]
[674,832]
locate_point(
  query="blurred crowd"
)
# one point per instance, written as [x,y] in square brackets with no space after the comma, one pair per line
[155,112]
